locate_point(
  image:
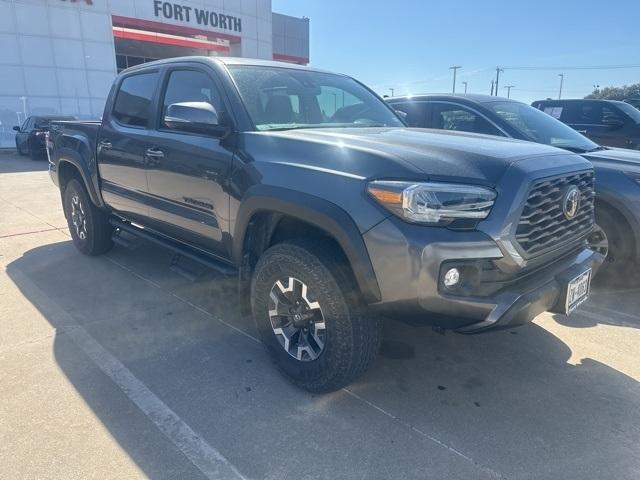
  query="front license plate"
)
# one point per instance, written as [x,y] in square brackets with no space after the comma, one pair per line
[578,291]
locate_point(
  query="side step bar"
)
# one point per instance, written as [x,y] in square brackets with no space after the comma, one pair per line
[194,254]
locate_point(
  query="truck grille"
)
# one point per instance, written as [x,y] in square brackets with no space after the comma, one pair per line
[544,225]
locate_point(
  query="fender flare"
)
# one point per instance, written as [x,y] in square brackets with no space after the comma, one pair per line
[318,212]
[89,177]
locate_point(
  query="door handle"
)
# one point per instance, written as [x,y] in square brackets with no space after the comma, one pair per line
[154,152]
[105,145]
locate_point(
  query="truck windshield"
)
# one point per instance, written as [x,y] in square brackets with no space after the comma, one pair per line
[540,127]
[285,98]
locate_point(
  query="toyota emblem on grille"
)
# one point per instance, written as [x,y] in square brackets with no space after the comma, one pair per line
[571,203]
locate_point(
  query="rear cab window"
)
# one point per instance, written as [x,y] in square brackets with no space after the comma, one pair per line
[133,104]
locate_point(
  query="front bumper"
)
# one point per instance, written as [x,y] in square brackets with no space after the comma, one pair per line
[409,272]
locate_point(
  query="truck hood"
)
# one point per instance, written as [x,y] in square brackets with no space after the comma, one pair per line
[614,157]
[439,154]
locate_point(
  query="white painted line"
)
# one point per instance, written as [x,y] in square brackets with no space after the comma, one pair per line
[614,313]
[605,319]
[206,458]
[491,472]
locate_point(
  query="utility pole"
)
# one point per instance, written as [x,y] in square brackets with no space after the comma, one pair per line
[391,88]
[508,87]
[493,82]
[561,75]
[455,70]
[498,70]
[466,84]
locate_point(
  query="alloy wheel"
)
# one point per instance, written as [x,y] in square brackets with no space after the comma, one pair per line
[297,322]
[78,217]
[599,242]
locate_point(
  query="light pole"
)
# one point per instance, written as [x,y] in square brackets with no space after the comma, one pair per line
[391,88]
[466,84]
[455,70]
[24,106]
[498,70]
[508,87]
[493,82]
[561,75]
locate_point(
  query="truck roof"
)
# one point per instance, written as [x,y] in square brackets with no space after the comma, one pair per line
[227,61]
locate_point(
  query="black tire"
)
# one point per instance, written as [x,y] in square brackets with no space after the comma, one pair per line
[352,337]
[619,266]
[19,149]
[34,153]
[94,222]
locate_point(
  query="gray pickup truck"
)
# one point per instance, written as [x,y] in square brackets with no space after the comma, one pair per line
[331,212]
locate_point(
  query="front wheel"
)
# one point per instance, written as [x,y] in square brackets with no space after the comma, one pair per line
[309,316]
[613,238]
[19,148]
[89,226]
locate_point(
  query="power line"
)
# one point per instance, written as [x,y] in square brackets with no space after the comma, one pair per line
[575,67]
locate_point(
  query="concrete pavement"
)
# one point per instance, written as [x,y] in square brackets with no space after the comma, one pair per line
[118,367]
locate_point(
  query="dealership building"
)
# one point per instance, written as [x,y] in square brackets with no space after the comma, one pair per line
[60,56]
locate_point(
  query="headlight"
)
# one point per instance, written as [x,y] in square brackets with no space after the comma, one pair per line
[634,176]
[434,203]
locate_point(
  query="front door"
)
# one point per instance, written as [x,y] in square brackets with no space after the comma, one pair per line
[122,142]
[187,172]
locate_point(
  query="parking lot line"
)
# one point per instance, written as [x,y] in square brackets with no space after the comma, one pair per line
[604,315]
[206,458]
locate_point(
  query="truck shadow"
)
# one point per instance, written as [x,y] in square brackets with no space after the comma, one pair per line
[11,162]
[509,400]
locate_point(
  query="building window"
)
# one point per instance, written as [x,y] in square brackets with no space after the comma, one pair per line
[126,61]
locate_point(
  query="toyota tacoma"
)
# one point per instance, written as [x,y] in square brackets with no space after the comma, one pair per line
[331,212]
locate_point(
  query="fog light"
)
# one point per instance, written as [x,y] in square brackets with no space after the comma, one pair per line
[452,277]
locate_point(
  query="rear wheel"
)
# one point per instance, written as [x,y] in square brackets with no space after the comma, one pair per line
[34,151]
[89,226]
[310,318]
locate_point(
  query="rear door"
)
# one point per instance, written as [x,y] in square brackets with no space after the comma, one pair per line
[599,121]
[122,143]
[188,172]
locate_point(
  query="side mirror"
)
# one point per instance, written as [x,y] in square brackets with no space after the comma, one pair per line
[194,117]
[16,128]
[401,114]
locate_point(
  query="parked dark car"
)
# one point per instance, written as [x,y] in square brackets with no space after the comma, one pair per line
[607,122]
[310,188]
[30,136]
[617,170]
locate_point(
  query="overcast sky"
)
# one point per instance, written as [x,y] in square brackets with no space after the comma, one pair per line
[410,44]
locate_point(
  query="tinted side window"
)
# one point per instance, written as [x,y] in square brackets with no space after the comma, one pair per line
[456,117]
[416,113]
[611,115]
[133,102]
[190,86]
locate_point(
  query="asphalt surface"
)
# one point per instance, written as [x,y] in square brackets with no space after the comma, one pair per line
[119,367]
